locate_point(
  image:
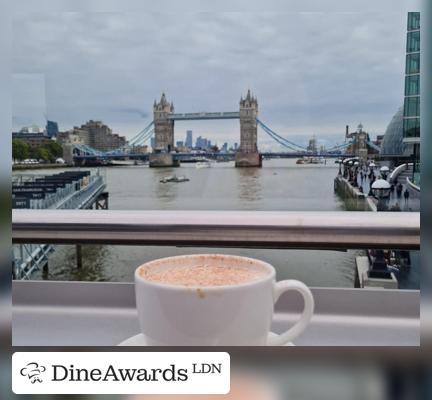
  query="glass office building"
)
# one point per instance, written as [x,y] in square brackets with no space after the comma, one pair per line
[411,113]
[392,143]
[52,129]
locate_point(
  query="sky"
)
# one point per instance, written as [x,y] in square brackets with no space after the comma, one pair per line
[313,73]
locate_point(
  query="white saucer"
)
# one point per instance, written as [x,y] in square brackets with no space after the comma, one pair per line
[140,340]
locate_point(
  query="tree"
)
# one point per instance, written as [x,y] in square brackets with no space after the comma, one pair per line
[42,153]
[54,149]
[20,150]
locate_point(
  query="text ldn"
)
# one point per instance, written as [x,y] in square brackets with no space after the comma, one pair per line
[72,374]
[206,368]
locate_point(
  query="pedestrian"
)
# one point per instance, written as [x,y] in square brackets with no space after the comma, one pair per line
[392,189]
[399,189]
[406,195]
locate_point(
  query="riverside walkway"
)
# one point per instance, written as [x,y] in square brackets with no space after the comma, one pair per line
[396,201]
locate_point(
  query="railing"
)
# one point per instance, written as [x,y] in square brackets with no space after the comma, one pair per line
[78,198]
[398,170]
[254,229]
[412,185]
[72,195]
[28,258]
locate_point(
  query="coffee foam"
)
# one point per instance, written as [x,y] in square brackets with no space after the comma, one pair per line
[207,273]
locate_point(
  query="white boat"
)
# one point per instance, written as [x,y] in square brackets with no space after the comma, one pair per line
[203,164]
[174,178]
[311,160]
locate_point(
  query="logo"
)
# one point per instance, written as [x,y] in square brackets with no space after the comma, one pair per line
[120,373]
[32,371]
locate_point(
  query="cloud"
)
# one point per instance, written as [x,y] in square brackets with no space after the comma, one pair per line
[313,73]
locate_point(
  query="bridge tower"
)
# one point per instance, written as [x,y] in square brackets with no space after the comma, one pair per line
[164,134]
[247,155]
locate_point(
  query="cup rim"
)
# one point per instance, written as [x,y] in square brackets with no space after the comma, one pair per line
[266,265]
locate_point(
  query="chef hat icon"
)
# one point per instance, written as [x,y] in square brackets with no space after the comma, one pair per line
[33,370]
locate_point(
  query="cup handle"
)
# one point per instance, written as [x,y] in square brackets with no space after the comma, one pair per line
[300,325]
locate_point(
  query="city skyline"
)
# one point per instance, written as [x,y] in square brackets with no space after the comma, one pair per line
[352,73]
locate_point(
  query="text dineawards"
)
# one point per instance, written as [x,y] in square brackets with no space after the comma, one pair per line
[112,374]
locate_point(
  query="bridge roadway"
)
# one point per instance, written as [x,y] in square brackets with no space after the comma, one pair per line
[205,115]
[210,155]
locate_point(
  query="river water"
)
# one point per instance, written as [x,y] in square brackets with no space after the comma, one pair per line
[280,185]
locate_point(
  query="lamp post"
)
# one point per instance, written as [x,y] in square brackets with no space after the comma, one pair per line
[355,175]
[379,264]
[384,171]
[381,190]
[349,164]
[345,168]
[340,166]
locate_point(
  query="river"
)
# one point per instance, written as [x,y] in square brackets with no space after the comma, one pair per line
[280,185]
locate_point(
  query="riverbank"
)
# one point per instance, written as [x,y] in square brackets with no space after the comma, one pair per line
[20,167]
[353,197]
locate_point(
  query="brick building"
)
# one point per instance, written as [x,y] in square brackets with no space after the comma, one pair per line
[94,134]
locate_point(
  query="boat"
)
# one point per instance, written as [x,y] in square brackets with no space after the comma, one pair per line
[174,178]
[203,164]
[121,163]
[311,160]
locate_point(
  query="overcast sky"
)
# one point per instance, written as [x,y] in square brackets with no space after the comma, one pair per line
[313,73]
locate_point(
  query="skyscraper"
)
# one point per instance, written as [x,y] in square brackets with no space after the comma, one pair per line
[189,139]
[201,143]
[411,113]
[52,129]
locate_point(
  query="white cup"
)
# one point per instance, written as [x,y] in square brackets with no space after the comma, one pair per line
[232,315]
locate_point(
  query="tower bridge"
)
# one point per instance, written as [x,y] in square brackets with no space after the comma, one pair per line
[165,154]
[164,117]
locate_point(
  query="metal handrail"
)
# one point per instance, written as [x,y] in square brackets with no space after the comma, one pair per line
[257,229]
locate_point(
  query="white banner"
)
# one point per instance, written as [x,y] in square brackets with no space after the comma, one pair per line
[120,373]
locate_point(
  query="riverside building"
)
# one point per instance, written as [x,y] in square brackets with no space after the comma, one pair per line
[411,110]
[94,134]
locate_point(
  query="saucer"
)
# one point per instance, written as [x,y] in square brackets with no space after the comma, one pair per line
[140,340]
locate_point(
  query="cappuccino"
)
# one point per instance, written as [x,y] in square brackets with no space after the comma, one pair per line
[202,275]
[213,300]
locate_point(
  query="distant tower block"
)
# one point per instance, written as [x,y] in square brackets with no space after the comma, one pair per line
[247,155]
[164,134]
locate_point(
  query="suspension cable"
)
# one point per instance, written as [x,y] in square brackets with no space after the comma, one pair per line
[274,135]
